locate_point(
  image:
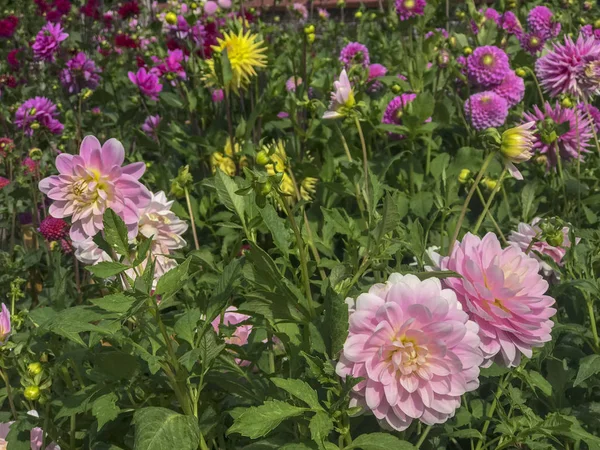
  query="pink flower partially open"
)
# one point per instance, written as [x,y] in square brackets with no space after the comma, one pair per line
[503,292]
[242,332]
[416,349]
[93,181]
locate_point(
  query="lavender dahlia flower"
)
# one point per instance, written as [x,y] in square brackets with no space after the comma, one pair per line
[592,112]
[540,21]
[571,68]
[511,89]
[487,66]
[150,126]
[571,144]
[47,42]
[81,72]
[292,83]
[410,8]
[415,348]
[355,53]
[486,109]
[38,112]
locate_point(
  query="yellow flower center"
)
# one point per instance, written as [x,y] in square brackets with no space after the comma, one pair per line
[534,41]
[409,4]
[487,60]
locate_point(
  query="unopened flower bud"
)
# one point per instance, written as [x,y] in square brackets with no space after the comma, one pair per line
[566,103]
[265,188]
[35,154]
[521,72]
[171,18]
[34,125]
[276,19]
[310,38]
[34,368]
[262,158]
[452,41]
[556,238]
[460,15]
[358,14]
[467,51]
[443,59]
[32,393]
[309,29]
[489,183]
[396,89]
[464,176]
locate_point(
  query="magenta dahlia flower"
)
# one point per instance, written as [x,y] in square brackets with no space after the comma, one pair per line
[171,67]
[38,112]
[376,71]
[511,89]
[585,110]
[395,110]
[540,21]
[47,42]
[147,82]
[355,53]
[323,13]
[570,144]
[510,23]
[415,349]
[487,66]
[533,43]
[529,238]
[81,72]
[150,126]
[486,109]
[5,330]
[93,181]
[217,95]
[242,332]
[493,15]
[504,294]
[410,8]
[8,26]
[571,68]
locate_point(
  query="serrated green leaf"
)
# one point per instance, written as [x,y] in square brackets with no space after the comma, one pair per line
[320,426]
[276,225]
[107,269]
[105,409]
[258,421]
[186,325]
[379,441]
[588,366]
[118,303]
[172,281]
[226,191]
[160,429]
[299,389]
[115,233]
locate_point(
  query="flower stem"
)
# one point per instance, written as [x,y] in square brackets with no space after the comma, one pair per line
[486,208]
[463,211]
[365,160]
[491,217]
[423,436]
[492,409]
[590,305]
[9,394]
[193,222]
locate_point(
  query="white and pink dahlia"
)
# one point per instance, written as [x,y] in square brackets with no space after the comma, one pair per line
[504,294]
[93,181]
[416,349]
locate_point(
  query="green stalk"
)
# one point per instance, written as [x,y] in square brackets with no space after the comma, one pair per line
[590,305]
[486,208]
[492,409]
[192,221]
[365,160]
[423,436]
[13,410]
[491,217]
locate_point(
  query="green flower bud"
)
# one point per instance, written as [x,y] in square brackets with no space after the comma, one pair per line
[34,368]
[32,393]
[464,176]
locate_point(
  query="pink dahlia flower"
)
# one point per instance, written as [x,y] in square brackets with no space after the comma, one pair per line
[410,8]
[504,294]
[540,21]
[589,111]
[341,97]
[93,181]
[416,349]
[81,72]
[217,95]
[571,68]
[487,66]
[242,332]
[292,83]
[150,126]
[88,252]
[395,111]
[493,15]
[376,71]
[210,8]
[529,238]
[512,89]
[147,82]
[36,435]
[5,327]
[510,23]
[300,10]
[532,42]
[486,109]
[47,42]
[38,112]
[572,143]
[8,26]
[171,67]
[323,13]
[159,223]
[355,53]
[4,182]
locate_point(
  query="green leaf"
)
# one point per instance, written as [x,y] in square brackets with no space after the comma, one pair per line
[226,68]
[389,220]
[187,324]
[276,225]
[107,269]
[299,389]
[209,347]
[538,381]
[19,436]
[380,441]
[226,191]
[336,320]
[105,409]
[115,232]
[421,203]
[171,99]
[588,366]
[118,303]
[467,433]
[172,281]
[142,252]
[161,428]
[258,421]
[320,426]
[223,289]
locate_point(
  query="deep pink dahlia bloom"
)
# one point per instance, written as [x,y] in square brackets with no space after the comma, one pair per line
[510,23]
[54,229]
[540,21]
[81,72]
[486,109]
[571,68]
[487,66]
[147,82]
[504,294]
[4,182]
[93,181]
[416,349]
[217,95]
[242,332]
[355,53]
[300,10]
[532,42]
[492,14]
[571,144]
[395,110]
[38,112]
[171,67]
[524,235]
[150,126]
[592,112]
[376,71]
[410,8]
[47,42]
[512,89]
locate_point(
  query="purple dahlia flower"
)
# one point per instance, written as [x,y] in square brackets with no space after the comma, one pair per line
[355,53]
[38,112]
[487,66]
[81,72]
[47,42]
[486,109]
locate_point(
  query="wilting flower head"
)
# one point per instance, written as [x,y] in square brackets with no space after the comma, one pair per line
[81,72]
[486,109]
[409,8]
[4,324]
[245,53]
[4,182]
[571,68]
[342,97]
[487,66]
[355,53]
[571,144]
[323,13]
[92,182]
[38,112]
[376,71]
[242,332]
[516,147]
[8,26]
[300,10]
[150,126]
[511,89]
[48,41]
[292,83]
[29,165]
[147,82]
[54,229]
[415,349]
[503,293]
[510,23]
[540,22]
[533,240]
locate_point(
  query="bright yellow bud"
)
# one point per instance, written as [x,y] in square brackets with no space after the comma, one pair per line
[358,14]
[171,18]
[464,176]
